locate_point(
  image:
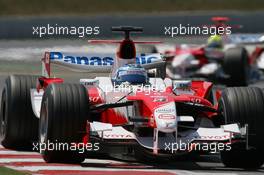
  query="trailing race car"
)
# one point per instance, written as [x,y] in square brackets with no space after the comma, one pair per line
[231,66]
[228,64]
[129,113]
[224,59]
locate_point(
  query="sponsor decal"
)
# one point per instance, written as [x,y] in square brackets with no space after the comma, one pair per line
[99,60]
[167,116]
[165,110]
[117,136]
[159,98]
[146,59]
[94,99]
[212,137]
[196,100]
[82,60]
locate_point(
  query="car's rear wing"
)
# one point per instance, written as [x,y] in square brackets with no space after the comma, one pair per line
[83,62]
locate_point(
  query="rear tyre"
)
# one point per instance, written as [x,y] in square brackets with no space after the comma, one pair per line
[19,125]
[244,106]
[64,111]
[236,65]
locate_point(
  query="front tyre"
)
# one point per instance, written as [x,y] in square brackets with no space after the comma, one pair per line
[64,111]
[244,105]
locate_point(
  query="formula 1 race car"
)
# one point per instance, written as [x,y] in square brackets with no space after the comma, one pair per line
[224,59]
[130,113]
[231,66]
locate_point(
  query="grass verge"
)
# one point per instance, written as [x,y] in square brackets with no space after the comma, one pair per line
[8,171]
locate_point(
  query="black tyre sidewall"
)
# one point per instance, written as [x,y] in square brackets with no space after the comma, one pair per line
[244,106]
[236,64]
[66,108]
[21,125]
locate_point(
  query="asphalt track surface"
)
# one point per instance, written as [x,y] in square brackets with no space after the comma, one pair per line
[32,162]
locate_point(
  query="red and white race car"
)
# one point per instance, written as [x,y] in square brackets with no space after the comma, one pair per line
[122,115]
[216,65]
[216,61]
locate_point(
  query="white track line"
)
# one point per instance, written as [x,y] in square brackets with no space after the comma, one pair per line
[73,168]
[21,160]
[65,168]
[10,152]
[101,161]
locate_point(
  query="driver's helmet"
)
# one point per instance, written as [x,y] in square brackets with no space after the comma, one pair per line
[215,41]
[130,73]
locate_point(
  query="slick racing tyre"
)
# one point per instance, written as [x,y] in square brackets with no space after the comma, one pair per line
[244,105]
[63,116]
[19,125]
[236,65]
